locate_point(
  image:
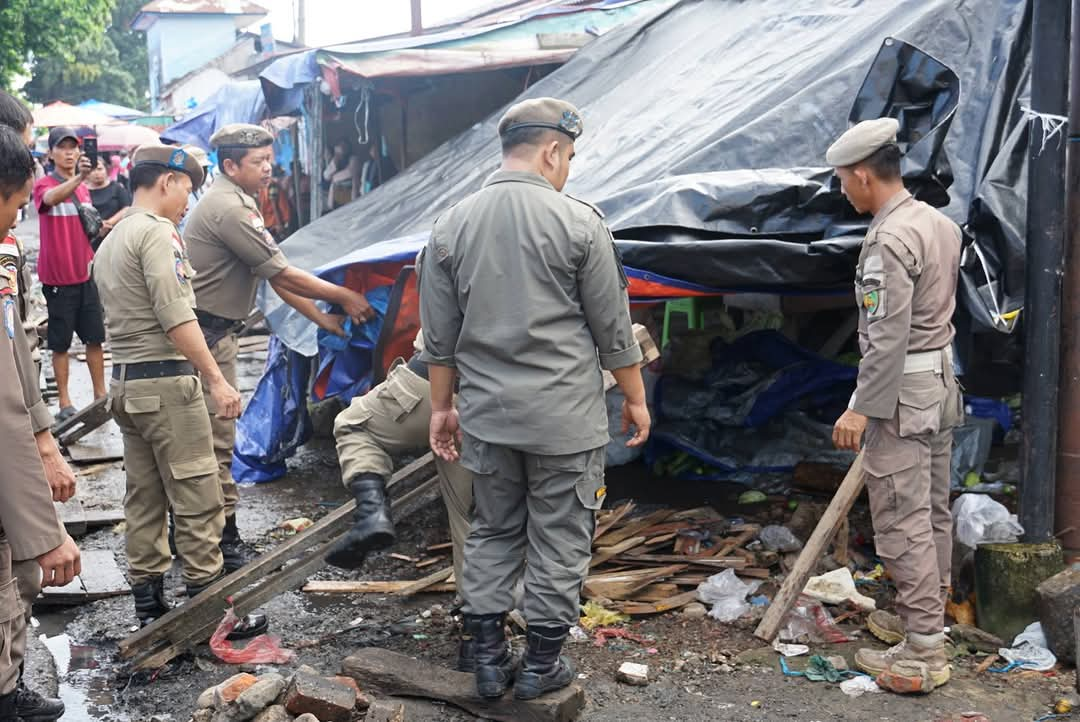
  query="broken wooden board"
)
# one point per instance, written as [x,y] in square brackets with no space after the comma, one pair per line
[370,587]
[686,559]
[192,623]
[601,554]
[72,515]
[101,578]
[811,554]
[421,584]
[83,422]
[101,453]
[664,605]
[98,518]
[608,519]
[633,528]
[626,585]
[389,673]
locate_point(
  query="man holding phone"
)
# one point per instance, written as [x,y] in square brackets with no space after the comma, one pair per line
[64,265]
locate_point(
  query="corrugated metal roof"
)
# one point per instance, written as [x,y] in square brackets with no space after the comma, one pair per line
[206,7]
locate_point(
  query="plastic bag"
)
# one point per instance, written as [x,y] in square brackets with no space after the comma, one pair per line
[858,686]
[727,593]
[809,620]
[1030,650]
[978,519]
[778,538]
[597,616]
[837,587]
[263,649]
[971,449]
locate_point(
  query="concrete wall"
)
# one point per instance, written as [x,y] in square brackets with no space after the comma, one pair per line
[180,44]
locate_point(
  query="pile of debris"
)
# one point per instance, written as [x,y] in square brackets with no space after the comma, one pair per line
[306,696]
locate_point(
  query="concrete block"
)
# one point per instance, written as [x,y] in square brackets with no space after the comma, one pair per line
[232,688]
[633,674]
[329,701]
[1058,597]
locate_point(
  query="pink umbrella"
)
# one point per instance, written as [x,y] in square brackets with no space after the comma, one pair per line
[124,137]
[60,113]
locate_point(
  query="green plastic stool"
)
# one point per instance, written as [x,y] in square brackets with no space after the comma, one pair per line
[689,307]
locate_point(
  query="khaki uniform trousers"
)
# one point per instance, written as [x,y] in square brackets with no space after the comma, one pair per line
[530,508]
[28,575]
[393,418]
[169,460]
[224,430]
[12,622]
[907,462]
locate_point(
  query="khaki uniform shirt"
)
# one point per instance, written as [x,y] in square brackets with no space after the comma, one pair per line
[144,277]
[15,283]
[905,286]
[27,515]
[230,250]
[523,292]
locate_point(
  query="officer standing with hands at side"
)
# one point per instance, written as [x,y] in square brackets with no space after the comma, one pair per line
[523,295]
[231,249]
[160,364]
[29,527]
[907,399]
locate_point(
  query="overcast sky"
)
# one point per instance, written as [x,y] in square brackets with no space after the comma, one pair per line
[333,21]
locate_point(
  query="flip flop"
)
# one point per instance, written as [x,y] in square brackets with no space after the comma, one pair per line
[66,413]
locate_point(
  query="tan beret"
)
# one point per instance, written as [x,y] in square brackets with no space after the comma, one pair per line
[200,155]
[861,140]
[171,157]
[241,135]
[543,113]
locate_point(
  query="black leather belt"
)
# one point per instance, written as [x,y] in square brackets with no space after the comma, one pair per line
[152,370]
[212,322]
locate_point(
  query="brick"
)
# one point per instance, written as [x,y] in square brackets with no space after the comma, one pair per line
[362,700]
[232,688]
[1058,596]
[328,700]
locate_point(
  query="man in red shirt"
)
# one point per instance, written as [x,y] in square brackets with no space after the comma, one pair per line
[64,265]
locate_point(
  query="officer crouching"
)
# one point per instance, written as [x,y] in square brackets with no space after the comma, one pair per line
[159,354]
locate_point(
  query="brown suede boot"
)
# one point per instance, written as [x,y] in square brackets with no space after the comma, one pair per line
[886,626]
[900,661]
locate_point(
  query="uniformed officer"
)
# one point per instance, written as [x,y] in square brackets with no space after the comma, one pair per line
[907,400]
[231,250]
[528,325]
[13,259]
[159,357]
[29,527]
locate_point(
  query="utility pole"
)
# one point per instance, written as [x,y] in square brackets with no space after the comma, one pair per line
[417,18]
[300,33]
[1045,259]
[1067,502]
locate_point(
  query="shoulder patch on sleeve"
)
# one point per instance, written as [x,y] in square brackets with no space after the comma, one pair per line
[908,253]
[595,209]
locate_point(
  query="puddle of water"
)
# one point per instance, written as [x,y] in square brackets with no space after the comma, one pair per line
[87,696]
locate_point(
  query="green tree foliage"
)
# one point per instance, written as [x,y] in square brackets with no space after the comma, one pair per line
[36,29]
[109,65]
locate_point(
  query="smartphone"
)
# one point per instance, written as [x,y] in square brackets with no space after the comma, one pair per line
[89,145]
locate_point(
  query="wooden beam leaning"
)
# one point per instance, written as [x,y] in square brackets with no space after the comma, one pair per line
[183,624]
[819,541]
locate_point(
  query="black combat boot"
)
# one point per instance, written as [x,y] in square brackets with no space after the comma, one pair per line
[544,670]
[495,661]
[32,707]
[235,552]
[246,627]
[150,600]
[372,526]
[466,658]
[8,711]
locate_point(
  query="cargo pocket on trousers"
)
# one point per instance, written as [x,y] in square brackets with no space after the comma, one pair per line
[591,488]
[10,604]
[891,545]
[920,405]
[142,404]
[881,466]
[196,488]
[401,396]
[477,457]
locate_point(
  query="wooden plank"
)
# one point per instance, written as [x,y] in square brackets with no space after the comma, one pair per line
[440,547]
[72,515]
[97,518]
[626,588]
[101,578]
[369,587]
[430,561]
[389,673]
[815,547]
[403,558]
[633,528]
[92,470]
[840,544]
[664,605]
[602,554]
[656,592]
[82,423]
[421,584]
[187,624]
[728,546]
[689,559]
[613,518]
[95,454]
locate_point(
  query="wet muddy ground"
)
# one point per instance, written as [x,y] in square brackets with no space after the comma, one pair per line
[700,669]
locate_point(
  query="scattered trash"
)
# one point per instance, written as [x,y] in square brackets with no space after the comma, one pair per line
[597,616]
[873,575]
[694,610]
[297,525]
[602,635]
[837,587]
[790,650]
[858,686]
[756,704]
[1065,705]
[778,538]
[820,669]
[978,519]
[578,634]
[727,593]
[810,621]
[633,673]
[1029,650]
[760,601]
[752,497]
[263,649]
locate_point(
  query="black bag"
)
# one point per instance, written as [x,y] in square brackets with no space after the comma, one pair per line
[88,216]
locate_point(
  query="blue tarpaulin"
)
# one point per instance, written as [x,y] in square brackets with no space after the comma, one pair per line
[235,102]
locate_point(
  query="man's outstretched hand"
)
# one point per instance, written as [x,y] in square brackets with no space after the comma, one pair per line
[445,434]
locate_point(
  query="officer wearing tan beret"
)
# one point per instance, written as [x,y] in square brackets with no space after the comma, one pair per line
[907,400]
[160,366]
[523,296]
[231,250]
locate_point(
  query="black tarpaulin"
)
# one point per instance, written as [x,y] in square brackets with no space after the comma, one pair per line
[705,134]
